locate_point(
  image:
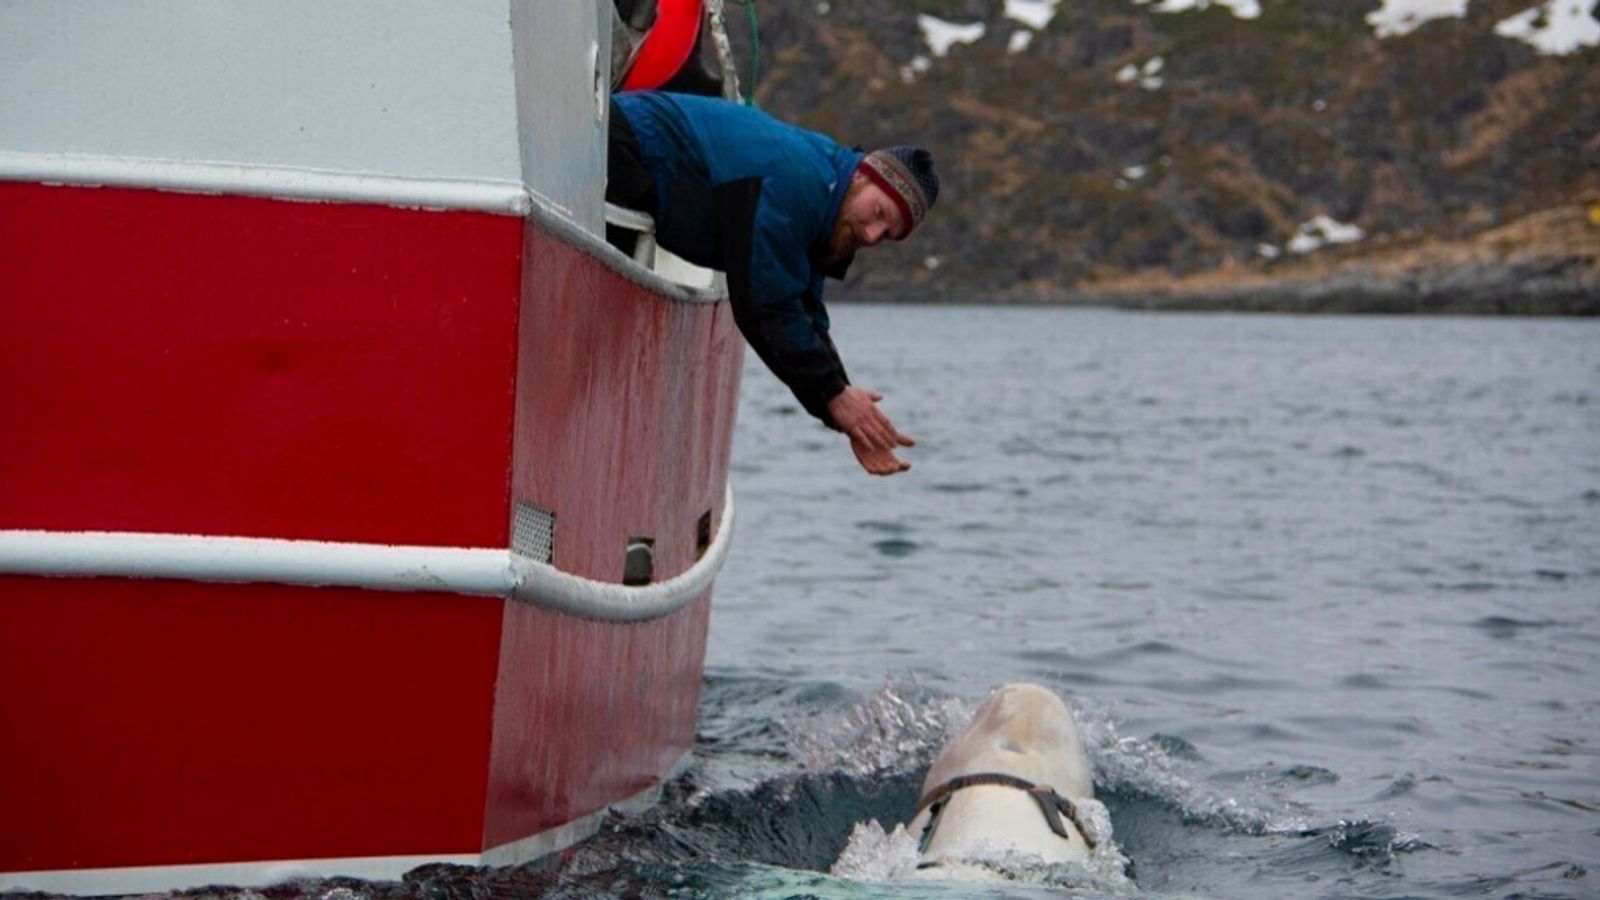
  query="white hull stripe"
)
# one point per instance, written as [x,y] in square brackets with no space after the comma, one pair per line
[153,879]
[255,180]
[283,183]
[470,571]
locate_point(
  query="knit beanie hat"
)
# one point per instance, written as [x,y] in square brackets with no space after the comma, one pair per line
[906,175]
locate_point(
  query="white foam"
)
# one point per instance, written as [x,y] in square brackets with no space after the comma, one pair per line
[871,854]
[1020,39]
[1144,767]
[897,728]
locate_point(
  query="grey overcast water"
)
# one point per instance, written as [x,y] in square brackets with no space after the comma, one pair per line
[1322,591]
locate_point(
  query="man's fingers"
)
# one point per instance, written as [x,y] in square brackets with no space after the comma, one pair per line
[856,411]
[894,465]
[875,431]
[873,436]
[891,437]
[889,467]
[878,462]
[883,437]
[884,432]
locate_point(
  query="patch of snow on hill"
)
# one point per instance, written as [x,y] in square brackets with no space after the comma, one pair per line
[1035,14]
[1555,27]
[1397,17]
[1148,76]
[942,35]
[1243,9]
[918,65]
[1321,231]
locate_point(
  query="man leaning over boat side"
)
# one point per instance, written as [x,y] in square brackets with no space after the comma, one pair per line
[777,208]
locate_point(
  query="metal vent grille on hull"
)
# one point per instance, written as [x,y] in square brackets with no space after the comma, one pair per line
[533,533]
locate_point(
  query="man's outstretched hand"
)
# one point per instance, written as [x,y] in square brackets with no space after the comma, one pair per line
[872,436]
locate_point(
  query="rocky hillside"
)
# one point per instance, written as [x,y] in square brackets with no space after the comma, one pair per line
[1088,147]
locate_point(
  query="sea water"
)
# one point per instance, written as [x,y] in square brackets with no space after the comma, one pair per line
[1324,593]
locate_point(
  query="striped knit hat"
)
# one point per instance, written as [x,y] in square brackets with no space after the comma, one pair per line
[906,175]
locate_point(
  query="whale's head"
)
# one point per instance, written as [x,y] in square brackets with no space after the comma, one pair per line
[1024,730]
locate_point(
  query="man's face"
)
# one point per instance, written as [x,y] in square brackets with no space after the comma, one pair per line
[866,217]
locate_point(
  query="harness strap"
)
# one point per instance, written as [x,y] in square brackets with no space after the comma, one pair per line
[1051,804]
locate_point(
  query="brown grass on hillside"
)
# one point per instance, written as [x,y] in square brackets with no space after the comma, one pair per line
[1569,232]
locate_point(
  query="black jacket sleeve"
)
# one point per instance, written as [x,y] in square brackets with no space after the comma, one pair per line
[784,331]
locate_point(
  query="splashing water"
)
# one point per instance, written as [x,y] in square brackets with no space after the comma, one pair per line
[1148,768]
[896,729]
[873,855]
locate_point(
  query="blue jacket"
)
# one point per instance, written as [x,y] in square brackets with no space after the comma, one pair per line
[741,192]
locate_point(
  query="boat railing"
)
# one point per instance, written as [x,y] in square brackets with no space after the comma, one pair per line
[643,225]
[470,571]
[648,253]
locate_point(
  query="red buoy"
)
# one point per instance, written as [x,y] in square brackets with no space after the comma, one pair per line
[666,46]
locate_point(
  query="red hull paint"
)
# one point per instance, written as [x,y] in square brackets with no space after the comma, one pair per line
[220,365]
[240,366]
[171,722]
[624,427]
[626,418]
[614,712]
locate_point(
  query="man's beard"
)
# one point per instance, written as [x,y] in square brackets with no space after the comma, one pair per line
[841,246]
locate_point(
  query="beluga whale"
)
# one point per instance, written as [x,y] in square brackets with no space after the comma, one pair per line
[1015,781]
[1009,798]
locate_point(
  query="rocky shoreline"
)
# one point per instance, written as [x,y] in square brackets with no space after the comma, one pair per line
[1544,264]
[1552,289]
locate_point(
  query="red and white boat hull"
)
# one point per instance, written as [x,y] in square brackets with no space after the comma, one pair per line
[329,431]
[263,466]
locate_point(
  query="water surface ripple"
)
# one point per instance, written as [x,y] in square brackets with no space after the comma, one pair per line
[1349,566]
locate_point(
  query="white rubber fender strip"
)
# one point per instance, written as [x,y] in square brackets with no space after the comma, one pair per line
[460,570]
[549,587]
